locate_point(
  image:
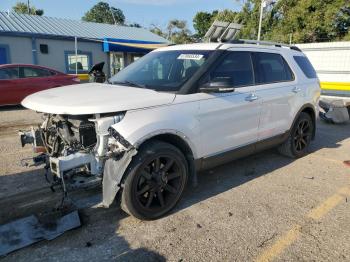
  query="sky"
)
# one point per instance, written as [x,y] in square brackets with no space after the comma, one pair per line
[144,12]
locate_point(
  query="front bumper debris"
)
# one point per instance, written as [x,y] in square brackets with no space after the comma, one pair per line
[32,137]
[113,173]
[29,230]
[62,164]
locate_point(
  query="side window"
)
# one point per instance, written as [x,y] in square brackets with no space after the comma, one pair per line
[29,72]
[9,73]
[235,68]
[305,66]
[271,68]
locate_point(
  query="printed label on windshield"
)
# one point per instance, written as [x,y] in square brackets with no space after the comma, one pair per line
[190,56]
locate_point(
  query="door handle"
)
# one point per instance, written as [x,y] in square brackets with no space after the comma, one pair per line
[296,90]
[251,98]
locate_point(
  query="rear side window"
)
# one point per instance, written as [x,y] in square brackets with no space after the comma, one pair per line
[271,68]
[305,66]
[236,68]
[34,72]
[9,73]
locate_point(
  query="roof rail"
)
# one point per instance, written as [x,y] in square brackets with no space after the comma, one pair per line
[247,41]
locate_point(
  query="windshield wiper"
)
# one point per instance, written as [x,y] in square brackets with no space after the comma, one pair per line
[130,83]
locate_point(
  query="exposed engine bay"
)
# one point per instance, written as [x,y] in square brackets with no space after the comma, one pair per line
[75,148]
[63,135]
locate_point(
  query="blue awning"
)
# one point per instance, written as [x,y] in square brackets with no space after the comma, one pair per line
[134,46]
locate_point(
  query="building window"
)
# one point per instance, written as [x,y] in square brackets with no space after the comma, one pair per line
[83,62]
[44,49]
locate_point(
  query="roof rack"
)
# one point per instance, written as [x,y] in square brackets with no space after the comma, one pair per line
[267,43]
[222,31]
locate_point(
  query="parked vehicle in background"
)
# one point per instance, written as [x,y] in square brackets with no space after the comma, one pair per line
[20,80]
[176,111]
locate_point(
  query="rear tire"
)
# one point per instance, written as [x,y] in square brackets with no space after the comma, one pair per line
[155,181]
[299,139]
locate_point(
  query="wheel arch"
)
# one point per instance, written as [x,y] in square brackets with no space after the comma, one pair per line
[178,140]
[310,110]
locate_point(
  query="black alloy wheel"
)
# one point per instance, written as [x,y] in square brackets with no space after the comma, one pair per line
[302,135]
[156,181]
[159,183]
[299,138]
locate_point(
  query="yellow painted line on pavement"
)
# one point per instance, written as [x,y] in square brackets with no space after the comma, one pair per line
[280,245]
[289,237]
[320,211]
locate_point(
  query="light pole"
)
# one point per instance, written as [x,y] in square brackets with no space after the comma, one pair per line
[262,5]
[115,22]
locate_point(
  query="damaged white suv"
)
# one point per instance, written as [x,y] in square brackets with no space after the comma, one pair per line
[174,112]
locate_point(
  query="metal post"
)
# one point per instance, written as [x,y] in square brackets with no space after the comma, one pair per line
[76,54]
[260,19]
[115,22]
[290,38]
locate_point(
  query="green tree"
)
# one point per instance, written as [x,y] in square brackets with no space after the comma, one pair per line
[158,31]
[226,16]
[202,22]
[309,20]
[22,8]
[178,32]
[135,25]
[103,13]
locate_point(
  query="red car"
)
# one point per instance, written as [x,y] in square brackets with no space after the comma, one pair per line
[19,80]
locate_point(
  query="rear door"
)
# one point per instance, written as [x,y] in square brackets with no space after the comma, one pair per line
[32,80]
[230,121]
[9,84]
[275,83]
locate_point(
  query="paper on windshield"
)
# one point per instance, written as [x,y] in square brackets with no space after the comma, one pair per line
[190,56]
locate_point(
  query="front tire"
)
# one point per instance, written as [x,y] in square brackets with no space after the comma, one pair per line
[155,181]
[299,139]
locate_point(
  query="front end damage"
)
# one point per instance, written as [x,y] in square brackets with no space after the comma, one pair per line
[81,151]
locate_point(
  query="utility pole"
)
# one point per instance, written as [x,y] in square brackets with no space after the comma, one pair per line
[260,19]
[28,6]
[115,22]
[76,54]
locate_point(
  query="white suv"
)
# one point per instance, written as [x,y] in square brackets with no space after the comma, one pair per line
[174,112]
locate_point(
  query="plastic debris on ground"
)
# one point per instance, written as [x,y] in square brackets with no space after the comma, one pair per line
[334,111]
[29,230]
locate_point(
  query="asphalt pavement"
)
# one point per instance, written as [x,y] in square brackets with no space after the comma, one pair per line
[261,208]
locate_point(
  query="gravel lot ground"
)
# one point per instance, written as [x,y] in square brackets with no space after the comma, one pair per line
[265,207]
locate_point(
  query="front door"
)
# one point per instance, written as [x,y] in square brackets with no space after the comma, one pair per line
[230,121]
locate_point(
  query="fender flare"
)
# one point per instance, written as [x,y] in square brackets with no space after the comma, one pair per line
[306,107]
[190,155]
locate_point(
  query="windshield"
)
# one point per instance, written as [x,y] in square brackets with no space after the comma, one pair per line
[165,71]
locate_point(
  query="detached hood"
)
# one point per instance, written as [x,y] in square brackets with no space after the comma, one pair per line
[94,98]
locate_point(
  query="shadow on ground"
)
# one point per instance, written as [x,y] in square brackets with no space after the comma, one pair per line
[12,108]
[236,173]
[108,244]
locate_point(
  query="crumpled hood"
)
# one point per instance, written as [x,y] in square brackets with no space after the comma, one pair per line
[94,98]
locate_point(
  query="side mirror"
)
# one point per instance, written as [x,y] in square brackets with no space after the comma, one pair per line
[217,87]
